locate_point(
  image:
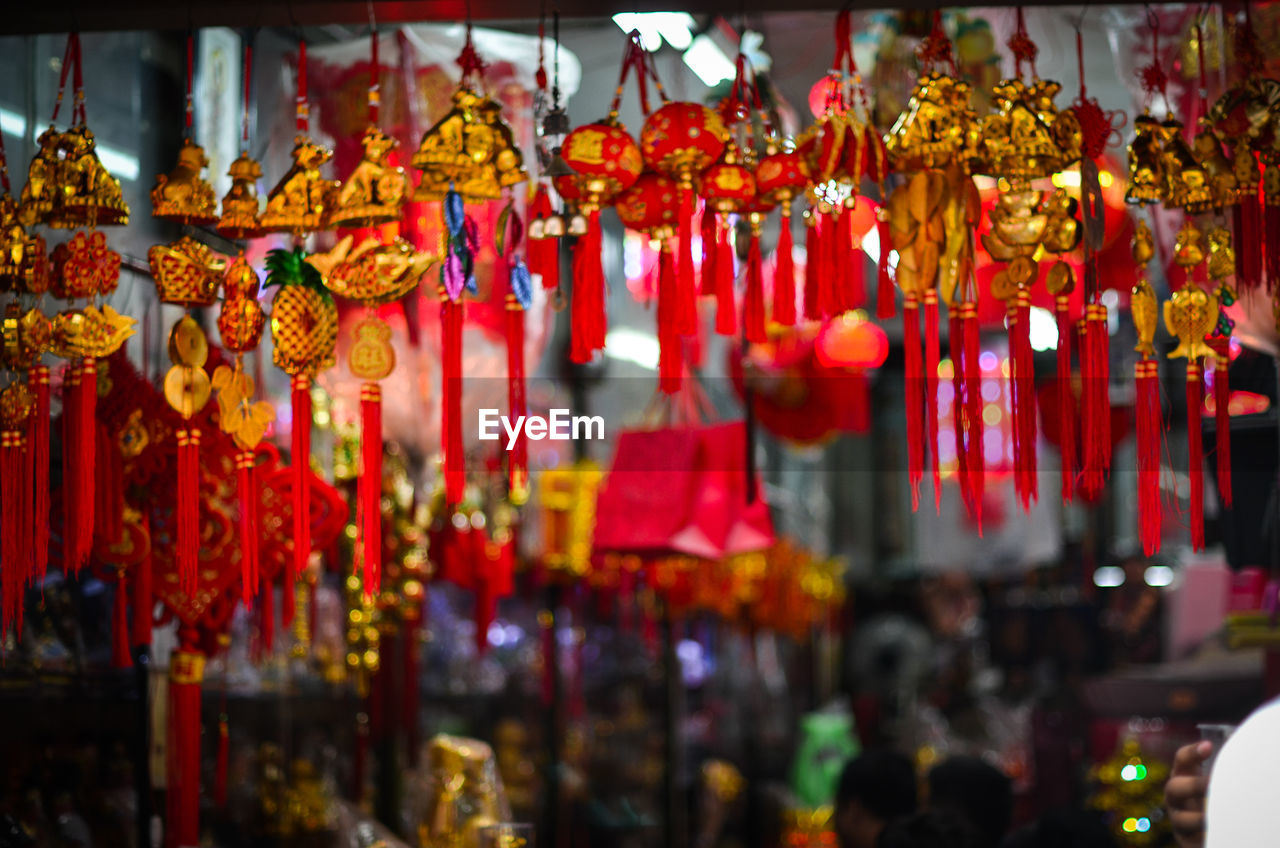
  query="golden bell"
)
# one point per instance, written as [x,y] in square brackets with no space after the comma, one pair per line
[186,272]
[241,319]
[183,195]
[240,209]
[470,148]
[937,126]
[373,272]
[375,191]
[24,263]
[1186,184]
[67,185]
[303,200]
[1146,169]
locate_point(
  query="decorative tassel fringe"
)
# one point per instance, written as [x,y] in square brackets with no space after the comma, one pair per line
[830,278]
[1247,218]
[1195,451]
[1066,398]
[1149,427]
[686,323]
[517,458]
[188,509]
[1096,407]
[38,445]
[670,346]
[370,486]
[723,271]
[974,427]
[544,253]
[812,266]
[710,238]
[455,475]
[247,492]
[120,657]
[753,317]
[79,446]
[1022,383]
[932,357]
[587,311]
[784,274]
[142,597]
[914,386]
[884,284]
[186,674]
[14,564]
[854,276]
[300,463]
[1222,417]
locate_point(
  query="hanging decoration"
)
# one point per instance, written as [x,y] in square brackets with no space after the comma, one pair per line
[781,178]
[1029,139]
[651,207]
[241,210]
[605,162]
[518,301]
[183,195]
[241,321]
[1144,305]
[304,333]
[546,225]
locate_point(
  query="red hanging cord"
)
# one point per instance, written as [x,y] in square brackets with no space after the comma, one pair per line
[370,492]
[247,496]
[932,358]
[1066,398]
[300,463]
[914,385]
[726,309]
[38,446]
[753,311]
[670,346]
[587,307]
[1195,451]
[1149,428]
[784,273]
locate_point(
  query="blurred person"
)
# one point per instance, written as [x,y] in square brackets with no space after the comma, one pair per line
[1184,794]
[975,791]
[875,789]
[928,829]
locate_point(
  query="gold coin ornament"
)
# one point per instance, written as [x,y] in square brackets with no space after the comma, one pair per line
[186,385]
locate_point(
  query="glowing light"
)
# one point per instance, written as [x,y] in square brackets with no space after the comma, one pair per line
[945,370]
[1144,824]
[1043,330]
[1158,576]
[1105,179]
[1130,825]
[1068,179]
[1109,577]
[988,361]
[946,393]
[1129,772]
[655,27]
[990,390]
[626,345]
[1004,368]
[705,58]
[853,342]
[991,414]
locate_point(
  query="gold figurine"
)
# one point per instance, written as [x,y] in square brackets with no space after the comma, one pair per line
[376,190]
[183,195]
[240,207]
[302,201]
[471,148]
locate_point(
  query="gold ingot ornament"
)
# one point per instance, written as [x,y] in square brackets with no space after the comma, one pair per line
[303,200]
[89,333]
[186,272]
[376,190]
[183,195]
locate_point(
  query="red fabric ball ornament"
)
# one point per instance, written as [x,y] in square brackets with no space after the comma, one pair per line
[651,204]
[852,343]
[728,186]
[781,177]
[682,139]
[604,159]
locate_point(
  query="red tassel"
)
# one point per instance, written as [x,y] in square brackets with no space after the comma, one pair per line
[726,310]
[975,444]
[784,274]
[544,253]
[247,493]
[1195,451]
[1096,412]
[142,598]
[188,509]
[830,276]
[587,310]
[955,345]
[1022,384]
[710,239]
[753,317]
[455,475]
[884,285]
[14,565]
[220,767]
[70,396]
[914,385]
[812,266]
[932,357]
[300,463]
[186,674]
[84,447]
[686,292]
[518,457]
[1247,218]
[670,346]
[1222,416]
[1066,398]
[851,261]
[38,444]
[370,487]
[120,657]
[1149,427]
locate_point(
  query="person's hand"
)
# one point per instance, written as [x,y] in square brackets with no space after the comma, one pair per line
[1184,794]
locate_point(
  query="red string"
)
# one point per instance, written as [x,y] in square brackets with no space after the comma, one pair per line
[753,317]
[784,275]
[670,346]
[370,494]
[191,63]
[844,43]
[375,78]
[301,109]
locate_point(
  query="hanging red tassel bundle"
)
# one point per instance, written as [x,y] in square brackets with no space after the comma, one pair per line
[831,275]
[670,345]
[812,266]
[975,461]
[79,445]
[14,562]
[300,464]
[38,446]
[1095,420]
[932,358]
[884,284]
[186,675]
[914,385]
[370,487]
[753,312]
[851,257]
[955,349]
[1149,428]
[451,317]
[710,240]
[1246,216]
[1066,398]
[544,252]
[247,494]
[1022,385]
[188,508]
[784,274]
[723,270]
[587,310]
[686,323]
[1195,451]
[518,456]
[120,657]
[1222,411]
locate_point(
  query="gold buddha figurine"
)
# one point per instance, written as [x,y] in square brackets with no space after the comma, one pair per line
[376,190]
[303,200]
[183,195]
[240,208]
[90,196]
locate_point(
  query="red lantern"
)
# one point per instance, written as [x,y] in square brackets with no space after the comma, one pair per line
[650,207]
[849,342]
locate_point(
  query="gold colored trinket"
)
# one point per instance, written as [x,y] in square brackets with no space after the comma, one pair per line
[1145,308]
[937,126]
[1028,138]
[67,185]
[1146,165]
[186,385]
[1222,257]
[376,190]
[471,148]
[186,272]
[183,195]
[238,415]
[304,319]
[241,319]
[303,200]
[1187,249]
[1191,313]
[240,208]
[1024,221]
[1186,183]
[26,335]
[16,405]
[372,356]
[24,263]
[373,272]
[85,267]
[89,333]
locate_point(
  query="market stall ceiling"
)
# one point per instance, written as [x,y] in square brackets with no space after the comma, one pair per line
[102,15]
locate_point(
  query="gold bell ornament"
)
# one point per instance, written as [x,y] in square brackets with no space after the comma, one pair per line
[303,201]
[304,333]
[240,324]
[187,274]
[183,195]
[241,209]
